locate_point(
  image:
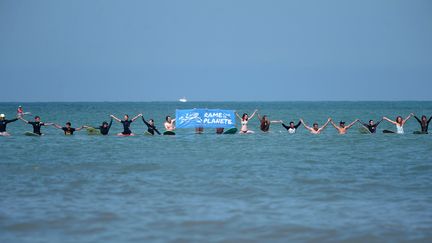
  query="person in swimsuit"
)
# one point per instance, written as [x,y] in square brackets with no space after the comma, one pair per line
[3,123]
[342,129]
[220,130]
[424,123]
[265,123]
[292,128]
[151,128]
[104,128]
[371,126]
[199,130]
[68,129]
[244,119]
[399,124]
[315,129]
[37,124]
[169,124]
[126,124]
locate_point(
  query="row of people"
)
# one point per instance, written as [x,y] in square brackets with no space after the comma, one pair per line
[265,123]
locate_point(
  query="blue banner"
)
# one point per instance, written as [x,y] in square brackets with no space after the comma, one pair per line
[206,118]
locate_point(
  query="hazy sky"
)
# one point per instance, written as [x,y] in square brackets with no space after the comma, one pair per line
[215,50]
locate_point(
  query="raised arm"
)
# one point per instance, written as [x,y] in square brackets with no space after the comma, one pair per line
[352,123]
[115,118]
[145,122]
[79,128]
[430,118]
[393,122]
[278,121]
[324,126]
[306,126]
[298,124]
[136,117]
[362,123]
[238,116]
[419,121]
[407,118]
[253,114]
[334,125]
[259,117]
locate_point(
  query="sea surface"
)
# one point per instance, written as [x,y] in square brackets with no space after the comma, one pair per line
[262,187]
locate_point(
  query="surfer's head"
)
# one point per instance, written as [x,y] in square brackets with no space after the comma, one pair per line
[315,126]
[151,121]
[37,118]
[68,124]
[291,124]
[168,118]
[371,122]
[424,118]
[342,124]
[2,116]
[104,124]
[399,119]
[245,117]
[126,117]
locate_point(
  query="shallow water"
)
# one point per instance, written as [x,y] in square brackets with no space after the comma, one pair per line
[219,188]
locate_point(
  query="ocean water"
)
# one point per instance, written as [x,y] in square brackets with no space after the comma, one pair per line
[273,187]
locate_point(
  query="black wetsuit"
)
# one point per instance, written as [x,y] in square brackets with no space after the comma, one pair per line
[126,127]
[288,127]
[37,127]
[371,128]
[424,126]
[265,126]
[3,124]
[105,130]
[68,131]
[150,128]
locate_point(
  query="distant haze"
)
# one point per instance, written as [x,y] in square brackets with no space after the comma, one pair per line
[215,50]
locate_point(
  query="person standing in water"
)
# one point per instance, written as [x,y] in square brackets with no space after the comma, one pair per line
[126,124]
[424,123]
[342,129]
[371,126]
[37,124]
[399,124]
[151,128]
[315,129]
[292,128]
[265,123]
[169,124]
[104,128]
[244,119]
[68,129]
[3,123]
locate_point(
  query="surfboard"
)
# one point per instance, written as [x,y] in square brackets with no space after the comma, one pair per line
[419,132]
[147,133]
[4,134]
[169,133]
[125,135]
[364,130]
[231,131]
[388,131]
[93,131]
[31,134]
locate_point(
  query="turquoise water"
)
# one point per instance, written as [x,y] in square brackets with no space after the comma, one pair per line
[220,188]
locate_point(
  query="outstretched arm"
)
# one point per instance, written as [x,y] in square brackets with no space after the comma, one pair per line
[115,118]
[298,124]
[57,126]
[430,118]
[393,122]
[352,123]
[253,114]
[22,119]
[419,121]
[238,116]
[136,117]
[279,121]
[79,128]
